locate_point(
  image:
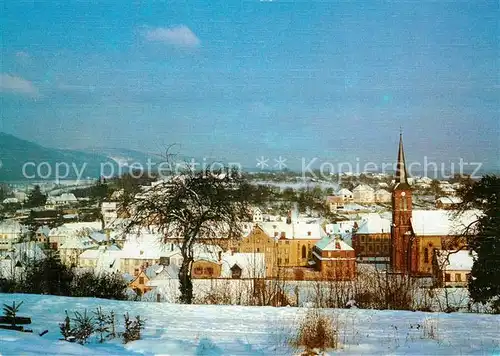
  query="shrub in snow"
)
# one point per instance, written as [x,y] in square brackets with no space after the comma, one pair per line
[10,311]
[66,330]
[132,328]
[84,327]
[104,325]
[316,332]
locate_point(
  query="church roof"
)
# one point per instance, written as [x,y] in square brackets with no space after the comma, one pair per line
[442,222]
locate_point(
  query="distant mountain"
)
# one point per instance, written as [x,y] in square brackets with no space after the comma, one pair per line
[24,160]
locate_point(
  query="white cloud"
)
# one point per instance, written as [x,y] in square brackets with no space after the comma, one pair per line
[180,36]
[12,84]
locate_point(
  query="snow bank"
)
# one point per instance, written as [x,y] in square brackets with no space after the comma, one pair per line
[173,329]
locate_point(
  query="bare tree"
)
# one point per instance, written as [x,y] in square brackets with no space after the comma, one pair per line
[197,206]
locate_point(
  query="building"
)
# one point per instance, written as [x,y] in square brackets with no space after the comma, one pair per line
[109,211]
[335,202]
[382,196]
[243,265]
[417,234]
[10,233]
[257,215]
[363,194]
[372,239]
[453,268]
[64,199]
[334,259]
[346,194]
[73,247]
[58,235]
[285,244]
[448,202]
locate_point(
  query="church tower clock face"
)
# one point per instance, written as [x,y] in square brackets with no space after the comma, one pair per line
[403,194]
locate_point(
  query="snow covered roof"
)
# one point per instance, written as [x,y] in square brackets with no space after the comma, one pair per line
[363,188]
[457,260]
[98,236]
[24,251]
[277,229]
[449,200]
[68,228]
[344,192]
[330,243]
[10,201]
[10,227]
[45,230]
[252,265]
[374,224]
[441,222]
[78,242]
[145,246]
[382,192]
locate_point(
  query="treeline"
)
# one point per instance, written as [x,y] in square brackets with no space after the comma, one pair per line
[50,276]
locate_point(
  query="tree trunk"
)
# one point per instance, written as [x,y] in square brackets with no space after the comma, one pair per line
[185,283]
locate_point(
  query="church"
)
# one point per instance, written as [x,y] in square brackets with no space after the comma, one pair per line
[417,235]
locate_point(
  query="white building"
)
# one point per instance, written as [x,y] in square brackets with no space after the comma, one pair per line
[346,194]
[363,194]
[10,232]
[109,211]
[382,196]
[257,215]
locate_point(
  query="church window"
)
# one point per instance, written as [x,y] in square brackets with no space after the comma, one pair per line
[304,252]
[426,255]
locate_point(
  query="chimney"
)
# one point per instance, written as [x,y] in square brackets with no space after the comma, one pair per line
[289,217]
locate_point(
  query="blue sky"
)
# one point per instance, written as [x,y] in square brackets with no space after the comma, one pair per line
[240,80]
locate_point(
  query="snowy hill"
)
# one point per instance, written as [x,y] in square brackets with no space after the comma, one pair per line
[173,329]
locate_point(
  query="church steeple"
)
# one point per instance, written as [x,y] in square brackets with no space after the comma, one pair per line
[403,249]
[401,173]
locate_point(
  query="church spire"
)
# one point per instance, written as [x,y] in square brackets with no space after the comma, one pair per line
[401,174]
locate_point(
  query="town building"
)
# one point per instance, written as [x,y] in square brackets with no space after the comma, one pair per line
[334,259]
[363,194]
[453,268]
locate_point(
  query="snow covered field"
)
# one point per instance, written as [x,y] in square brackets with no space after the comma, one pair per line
[173,329]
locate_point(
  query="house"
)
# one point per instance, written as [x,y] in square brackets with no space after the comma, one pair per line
[7,201]
[206,268]
[73,247]
[243,265]
[346,194]
[257,215]
[10,233]
[453,268]
[140,283]
[285,244]
[62,200]
[104,259]
[447,190]
[334,259]
[335,202]
[109,211]
[372,239]
[448,202]
[58,235]
[140,252]
[42,234]
[13,262]
[363,194]
[382,196]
